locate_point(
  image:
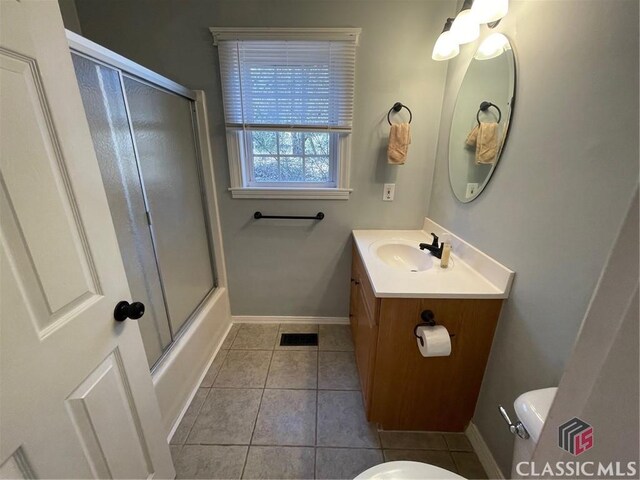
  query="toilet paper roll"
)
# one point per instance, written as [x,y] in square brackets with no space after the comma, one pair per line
[435,341]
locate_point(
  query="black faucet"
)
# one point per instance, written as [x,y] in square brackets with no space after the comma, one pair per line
[434,248]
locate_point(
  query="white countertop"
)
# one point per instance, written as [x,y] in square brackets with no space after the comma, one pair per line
[471,273]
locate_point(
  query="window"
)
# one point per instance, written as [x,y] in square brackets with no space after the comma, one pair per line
[294,158]
[288,105]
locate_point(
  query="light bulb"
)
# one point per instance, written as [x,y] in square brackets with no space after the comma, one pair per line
[446,46]
[465,27]
[493,46]
[487,11]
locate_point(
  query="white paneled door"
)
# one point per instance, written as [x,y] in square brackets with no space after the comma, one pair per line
[76,396]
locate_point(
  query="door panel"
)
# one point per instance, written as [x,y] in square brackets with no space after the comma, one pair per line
[61,273]
[112,452]
[45,200]
[105,108]
[165,143]
[16,467]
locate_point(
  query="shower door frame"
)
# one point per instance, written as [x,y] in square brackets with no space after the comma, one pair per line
[127,68]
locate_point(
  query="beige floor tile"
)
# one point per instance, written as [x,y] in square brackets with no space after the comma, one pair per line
[337,371]
[458,442]
[345,463]
[286,417]
[231,336]
[279,463]
[210,461]
[468,465]
[342,421]
[212,373]
[413,440]
[244,369]
[175,451]
[293,369]
[255,336]
[335,338]
[189,418]
[227,417]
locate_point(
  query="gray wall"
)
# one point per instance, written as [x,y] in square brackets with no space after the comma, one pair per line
[300,268]
[606,394]
[560,191]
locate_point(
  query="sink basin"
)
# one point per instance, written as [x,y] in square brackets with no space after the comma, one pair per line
[402,255]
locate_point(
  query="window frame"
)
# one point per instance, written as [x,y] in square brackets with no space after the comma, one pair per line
[242,182]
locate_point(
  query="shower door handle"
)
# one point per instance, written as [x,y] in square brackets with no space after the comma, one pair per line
[126,310]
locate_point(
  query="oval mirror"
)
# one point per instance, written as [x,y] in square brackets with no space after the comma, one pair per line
[481,117]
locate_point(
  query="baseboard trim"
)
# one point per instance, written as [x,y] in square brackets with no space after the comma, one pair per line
[484,454]
[174,427]
[284,319]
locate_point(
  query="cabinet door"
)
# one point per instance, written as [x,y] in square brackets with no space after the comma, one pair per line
[353,303]
[365,345]
[413,392]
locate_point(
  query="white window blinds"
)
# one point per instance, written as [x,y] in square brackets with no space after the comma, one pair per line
[288,84]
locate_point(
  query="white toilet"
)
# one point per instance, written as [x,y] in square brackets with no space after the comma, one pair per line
[402,470]
[531,408]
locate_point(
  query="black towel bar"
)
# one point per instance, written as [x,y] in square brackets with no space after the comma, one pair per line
[317,216]
[484,106]
[396,108]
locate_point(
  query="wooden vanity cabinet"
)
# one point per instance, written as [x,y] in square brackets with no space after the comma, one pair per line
[402,390]
[364,327]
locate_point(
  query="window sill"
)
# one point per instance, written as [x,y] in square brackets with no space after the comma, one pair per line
[292,193]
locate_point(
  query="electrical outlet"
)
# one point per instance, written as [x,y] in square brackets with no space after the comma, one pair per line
[472,188]
[389,192]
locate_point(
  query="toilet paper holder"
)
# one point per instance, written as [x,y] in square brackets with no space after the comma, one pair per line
[428,320]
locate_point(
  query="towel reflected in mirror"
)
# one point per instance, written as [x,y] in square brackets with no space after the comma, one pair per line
[484,137]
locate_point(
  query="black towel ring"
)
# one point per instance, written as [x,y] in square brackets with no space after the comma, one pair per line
[396,108]
[484,106]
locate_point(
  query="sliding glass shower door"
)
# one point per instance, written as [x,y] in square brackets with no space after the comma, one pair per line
[146,146]
[168,157]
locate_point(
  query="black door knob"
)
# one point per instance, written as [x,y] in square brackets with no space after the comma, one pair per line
[126,310]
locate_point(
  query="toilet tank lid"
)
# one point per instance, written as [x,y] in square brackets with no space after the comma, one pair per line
[532,409]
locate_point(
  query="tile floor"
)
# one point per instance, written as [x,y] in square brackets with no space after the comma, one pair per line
[266,411]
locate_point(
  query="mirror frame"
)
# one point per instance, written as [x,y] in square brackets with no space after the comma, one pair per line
[512,104]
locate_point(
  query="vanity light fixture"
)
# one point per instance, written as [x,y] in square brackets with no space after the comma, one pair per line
[493,46]
[490,11]
[446,46]
[465,27]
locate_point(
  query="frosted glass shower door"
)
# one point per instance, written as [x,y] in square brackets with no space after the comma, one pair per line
[163,130]
[104,106]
